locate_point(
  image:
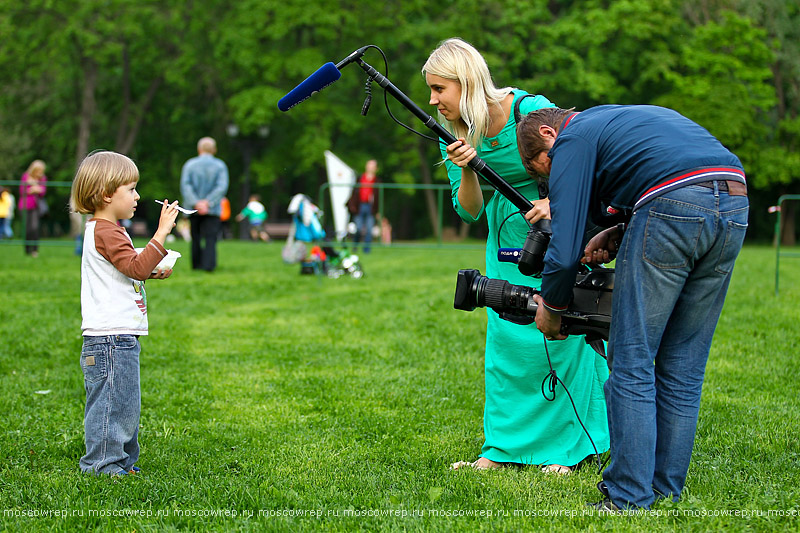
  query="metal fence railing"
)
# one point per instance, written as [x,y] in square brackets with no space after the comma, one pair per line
[382,187]
[778,252]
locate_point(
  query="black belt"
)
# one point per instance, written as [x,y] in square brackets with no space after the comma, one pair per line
[733,188]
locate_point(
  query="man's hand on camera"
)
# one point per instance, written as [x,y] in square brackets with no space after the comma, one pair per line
[548,323]
[603,247]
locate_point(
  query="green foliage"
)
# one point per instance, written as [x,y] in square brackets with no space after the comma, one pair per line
[161,75]
[266,390]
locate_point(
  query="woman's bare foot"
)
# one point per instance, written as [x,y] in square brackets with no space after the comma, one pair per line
[481,464]
[558,469]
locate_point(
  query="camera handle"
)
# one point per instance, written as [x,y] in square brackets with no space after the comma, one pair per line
[571,324]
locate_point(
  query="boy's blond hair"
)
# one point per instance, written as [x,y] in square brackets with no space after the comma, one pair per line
[98,177]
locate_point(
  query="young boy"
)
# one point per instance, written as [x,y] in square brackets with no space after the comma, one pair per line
[256,215]
[114,308]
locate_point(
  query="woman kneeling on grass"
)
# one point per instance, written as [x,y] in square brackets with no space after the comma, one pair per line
[520,425]
[114,308]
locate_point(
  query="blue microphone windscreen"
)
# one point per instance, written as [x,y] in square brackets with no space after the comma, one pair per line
[324,76]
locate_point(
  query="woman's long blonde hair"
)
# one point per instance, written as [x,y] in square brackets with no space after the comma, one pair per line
[456,59]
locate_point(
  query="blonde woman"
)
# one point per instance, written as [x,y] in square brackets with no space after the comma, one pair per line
[31,197]
[520,425]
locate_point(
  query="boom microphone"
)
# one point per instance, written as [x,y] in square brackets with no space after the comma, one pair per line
[324,76]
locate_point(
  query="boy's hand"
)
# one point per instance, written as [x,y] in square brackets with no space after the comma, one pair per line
[161,274]
[166,221]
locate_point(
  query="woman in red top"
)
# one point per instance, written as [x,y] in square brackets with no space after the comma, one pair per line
[31,200]
[362,205]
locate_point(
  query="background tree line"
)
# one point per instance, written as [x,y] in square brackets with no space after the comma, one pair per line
[148,78]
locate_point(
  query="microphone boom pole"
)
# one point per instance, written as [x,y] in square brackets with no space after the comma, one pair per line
[477,164]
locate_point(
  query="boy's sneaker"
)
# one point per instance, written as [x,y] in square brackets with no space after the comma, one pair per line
[134,470]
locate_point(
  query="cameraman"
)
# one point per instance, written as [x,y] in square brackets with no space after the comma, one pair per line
[675,201]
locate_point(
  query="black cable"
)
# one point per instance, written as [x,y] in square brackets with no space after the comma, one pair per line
[505,220]
[554,380]
[552,377]
[386,99]
[368,99]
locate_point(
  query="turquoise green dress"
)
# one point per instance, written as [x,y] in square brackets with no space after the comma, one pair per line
[519,424]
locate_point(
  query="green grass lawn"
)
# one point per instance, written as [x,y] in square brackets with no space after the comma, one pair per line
[300,402]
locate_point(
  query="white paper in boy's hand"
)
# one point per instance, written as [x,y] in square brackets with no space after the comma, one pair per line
[168,261]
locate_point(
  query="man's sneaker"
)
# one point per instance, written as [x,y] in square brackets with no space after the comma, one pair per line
[605,506]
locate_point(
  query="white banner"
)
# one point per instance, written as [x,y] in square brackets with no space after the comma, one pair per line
[341,179]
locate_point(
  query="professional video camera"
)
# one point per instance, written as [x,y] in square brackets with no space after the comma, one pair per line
[588,314]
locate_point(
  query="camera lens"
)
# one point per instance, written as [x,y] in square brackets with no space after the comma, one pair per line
[531,261]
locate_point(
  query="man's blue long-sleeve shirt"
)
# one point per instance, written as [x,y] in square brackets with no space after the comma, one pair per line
[603,162]
[204,177]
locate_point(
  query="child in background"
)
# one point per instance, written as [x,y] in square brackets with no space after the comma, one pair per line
[114,308]
[256,215]
[5,210]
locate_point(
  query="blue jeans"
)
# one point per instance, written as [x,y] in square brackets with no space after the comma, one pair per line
[110,367]
[365,220]
[672,274]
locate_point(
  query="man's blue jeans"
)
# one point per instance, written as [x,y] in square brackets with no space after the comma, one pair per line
[672,274]
[110,367]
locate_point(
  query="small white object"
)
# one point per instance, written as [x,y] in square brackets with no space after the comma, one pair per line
[167,262]
[179,208]
[42,391]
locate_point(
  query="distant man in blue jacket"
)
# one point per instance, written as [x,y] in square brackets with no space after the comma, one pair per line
[675,202]
[204,182]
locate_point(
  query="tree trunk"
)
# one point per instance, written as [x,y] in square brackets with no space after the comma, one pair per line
[87,110]
[463,230]
[88,107]
[132,114]
[430,197]
[787,229]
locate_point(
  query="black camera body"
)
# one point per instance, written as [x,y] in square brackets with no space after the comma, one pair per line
[588,314]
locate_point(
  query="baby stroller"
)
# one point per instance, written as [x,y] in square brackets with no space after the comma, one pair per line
[331,262]
[322,258]
[342,263]
[306,228]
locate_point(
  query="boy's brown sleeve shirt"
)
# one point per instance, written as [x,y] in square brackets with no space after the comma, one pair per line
[113,243]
